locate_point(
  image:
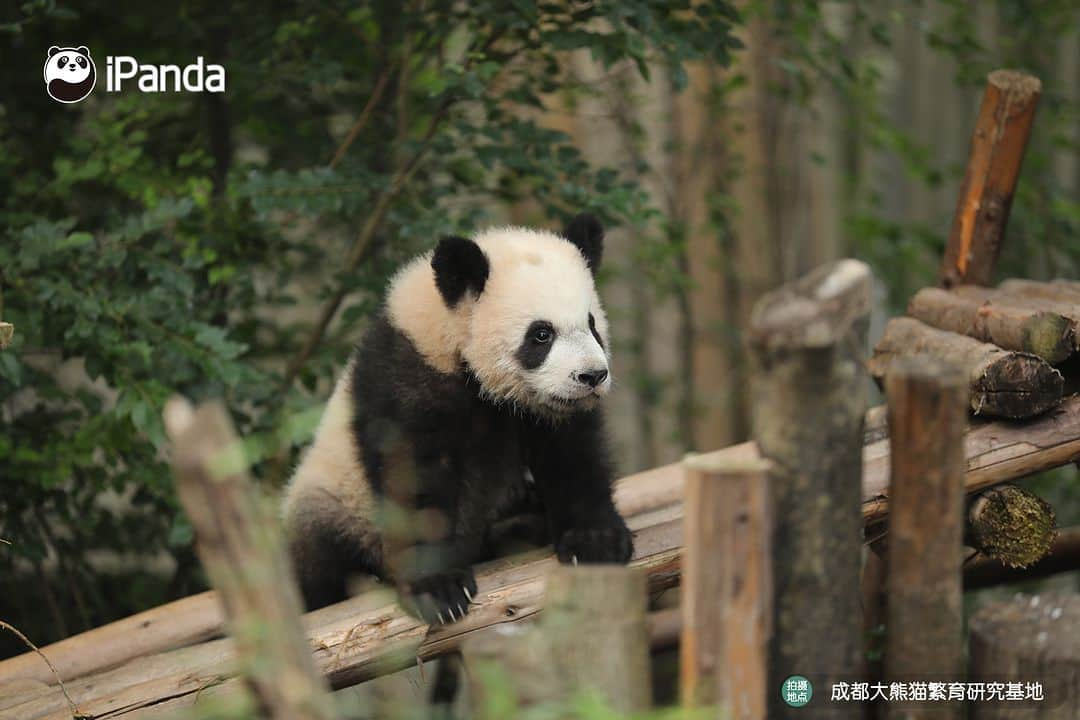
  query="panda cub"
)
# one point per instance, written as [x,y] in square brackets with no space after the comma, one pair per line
[468,416]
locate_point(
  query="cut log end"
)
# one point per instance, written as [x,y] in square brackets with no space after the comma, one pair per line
[814,311]
[1016,385]
[1011,525]
[1017,86]
[7,332]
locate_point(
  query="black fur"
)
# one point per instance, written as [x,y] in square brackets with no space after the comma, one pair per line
[430,441]
[460,265]
[587,233]
[533,351]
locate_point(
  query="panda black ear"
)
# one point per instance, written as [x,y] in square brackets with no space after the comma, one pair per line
[53,50]
[84,50]
[460,265]
[586,232]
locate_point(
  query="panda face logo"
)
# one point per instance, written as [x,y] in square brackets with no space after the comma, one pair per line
[70,73]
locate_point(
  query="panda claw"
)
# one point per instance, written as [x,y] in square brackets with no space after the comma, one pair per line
[438,614]
[574,559]
[461,611]
[468,594]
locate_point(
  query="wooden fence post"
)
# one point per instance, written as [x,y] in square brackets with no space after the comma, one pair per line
[927,403]
[997,150]
[1028,639]
[726,586]
[809,342]
[242,548]
[595,628]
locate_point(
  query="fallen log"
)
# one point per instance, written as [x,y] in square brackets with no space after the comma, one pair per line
[1003,383]
[997,149]
[990,316]
[368,636]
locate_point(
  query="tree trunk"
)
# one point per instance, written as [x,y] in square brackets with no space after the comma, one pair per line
[1002,383]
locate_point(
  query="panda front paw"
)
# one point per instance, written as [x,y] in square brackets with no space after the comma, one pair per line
[441,598]
[612,543]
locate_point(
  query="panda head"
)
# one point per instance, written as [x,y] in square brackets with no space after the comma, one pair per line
[533,331]
[70,73]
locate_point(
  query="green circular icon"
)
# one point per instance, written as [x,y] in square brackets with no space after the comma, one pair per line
[796,691]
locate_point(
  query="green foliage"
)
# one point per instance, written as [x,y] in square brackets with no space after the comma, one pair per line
[157,244]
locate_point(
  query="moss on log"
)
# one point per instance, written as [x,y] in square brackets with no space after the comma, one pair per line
[1011,525]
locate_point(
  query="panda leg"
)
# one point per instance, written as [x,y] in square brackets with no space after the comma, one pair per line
[328,548]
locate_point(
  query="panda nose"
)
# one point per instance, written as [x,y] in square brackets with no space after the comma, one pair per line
[593,378]
[71,66]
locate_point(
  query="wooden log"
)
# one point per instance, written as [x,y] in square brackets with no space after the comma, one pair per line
[989,316]
[726,606]
[808,341]
[367,636]
[1028,639]
[192,620]
[1064,556]
[1065,293]
[997,150]
[927,402]
[1012,525]
[595,631]
[7,332]
[1002,383]
[243,550]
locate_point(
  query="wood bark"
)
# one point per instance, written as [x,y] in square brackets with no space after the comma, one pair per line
[1065,292]
[243,550]
[7,332]
[726,606]
[1027,639]
[368,636]
[1064,556]
[927,403]
[994,317]
[1011,525]
[1002,383]
[997,150]
[596,634]
[809,341]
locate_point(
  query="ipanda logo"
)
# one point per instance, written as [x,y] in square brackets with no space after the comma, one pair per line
[70,75]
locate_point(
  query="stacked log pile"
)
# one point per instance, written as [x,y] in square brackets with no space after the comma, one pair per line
[1014,342]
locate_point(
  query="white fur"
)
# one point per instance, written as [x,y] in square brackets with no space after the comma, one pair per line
[330,469]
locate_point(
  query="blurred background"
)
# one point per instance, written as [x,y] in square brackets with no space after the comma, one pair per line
[232,245]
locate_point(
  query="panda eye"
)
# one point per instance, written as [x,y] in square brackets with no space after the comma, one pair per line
[81,61]
[63,60]
[542,333]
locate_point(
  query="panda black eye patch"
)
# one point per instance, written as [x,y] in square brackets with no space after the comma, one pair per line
[536,344]
[592,329]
